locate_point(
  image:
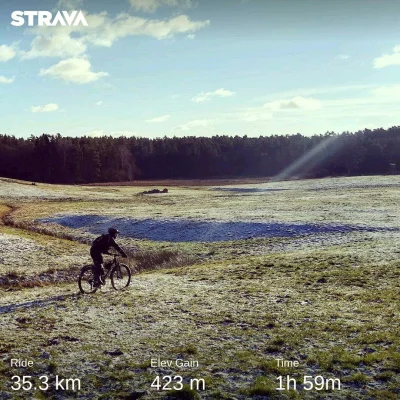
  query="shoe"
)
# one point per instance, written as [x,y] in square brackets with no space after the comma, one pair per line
[98,282]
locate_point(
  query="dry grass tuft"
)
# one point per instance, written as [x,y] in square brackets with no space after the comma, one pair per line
[15,280]
[146,260]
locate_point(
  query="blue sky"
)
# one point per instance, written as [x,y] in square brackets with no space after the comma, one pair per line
[157,68]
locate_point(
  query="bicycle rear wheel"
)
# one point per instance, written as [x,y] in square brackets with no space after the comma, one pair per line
[120,276]
[86,280]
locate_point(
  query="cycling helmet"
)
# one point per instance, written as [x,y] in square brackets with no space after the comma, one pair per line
[113,232]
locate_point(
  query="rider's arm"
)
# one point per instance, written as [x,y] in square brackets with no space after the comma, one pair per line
[114,244]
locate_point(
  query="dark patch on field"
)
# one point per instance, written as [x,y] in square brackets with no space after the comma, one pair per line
[185,230]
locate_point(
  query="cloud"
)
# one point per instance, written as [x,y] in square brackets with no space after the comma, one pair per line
[76,70]
[57,45]
[96,133]
[191,36]
[99,103]
[343,56]
[197,123]
[104,31]
[269,110]
[379,98]
[3,79]
[151,6]
[315,91]
[47,108]
[68,5]
[125,25]
[388,92]
[298,102]
[101,133]
[254,115]
[6,53]
[123,133]
[388,59]
[205,96]
[163,118]
[378,104]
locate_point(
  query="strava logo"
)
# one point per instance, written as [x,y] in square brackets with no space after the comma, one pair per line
[45,18]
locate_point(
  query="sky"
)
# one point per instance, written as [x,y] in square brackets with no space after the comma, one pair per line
[155,68]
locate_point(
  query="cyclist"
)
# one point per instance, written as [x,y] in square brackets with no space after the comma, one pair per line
[101,245]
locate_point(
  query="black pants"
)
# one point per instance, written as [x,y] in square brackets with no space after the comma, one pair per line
[97,260]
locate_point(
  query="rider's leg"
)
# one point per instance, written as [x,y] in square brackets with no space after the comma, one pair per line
[98,266]
[97,273]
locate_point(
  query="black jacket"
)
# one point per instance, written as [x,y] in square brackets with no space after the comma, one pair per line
[103,243]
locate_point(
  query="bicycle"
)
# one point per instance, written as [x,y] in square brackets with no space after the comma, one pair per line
[120,276]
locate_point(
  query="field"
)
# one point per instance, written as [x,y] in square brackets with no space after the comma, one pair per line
[233,276]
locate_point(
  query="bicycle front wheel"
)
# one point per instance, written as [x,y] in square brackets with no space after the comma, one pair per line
[86,280]
[120,276]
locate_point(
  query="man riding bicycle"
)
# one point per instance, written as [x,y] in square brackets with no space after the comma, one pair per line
[100,246]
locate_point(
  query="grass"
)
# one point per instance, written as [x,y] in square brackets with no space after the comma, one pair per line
[358,378]
[186,393]
[263,387]
[235,307]
[197,306]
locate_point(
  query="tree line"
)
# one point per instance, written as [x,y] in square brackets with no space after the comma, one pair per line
[57,159]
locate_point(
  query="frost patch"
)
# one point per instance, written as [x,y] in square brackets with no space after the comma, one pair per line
[17,244]
[185,230]
[14,190]
[13,249]
[247,190]
[357,182]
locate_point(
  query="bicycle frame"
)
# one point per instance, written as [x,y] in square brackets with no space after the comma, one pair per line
[114,264]
[120,275]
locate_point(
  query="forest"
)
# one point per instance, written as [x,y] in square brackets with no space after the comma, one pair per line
[79,160]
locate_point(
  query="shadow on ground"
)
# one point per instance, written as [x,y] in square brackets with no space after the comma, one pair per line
[36,303]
